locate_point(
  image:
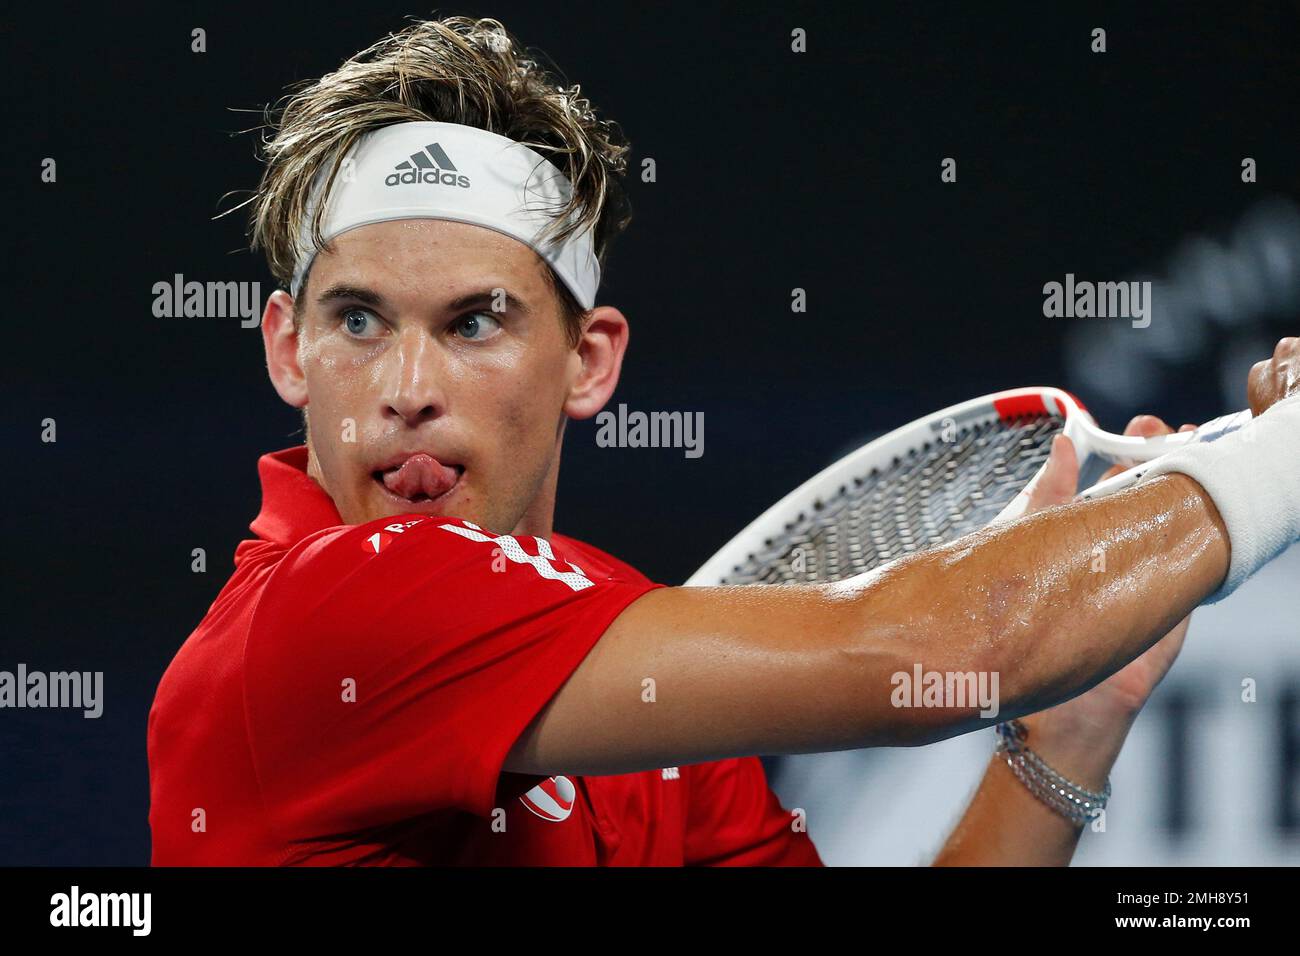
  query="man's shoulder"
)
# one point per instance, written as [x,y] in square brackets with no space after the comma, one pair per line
[434,545]
[601,561]
[399,571]
[339,551]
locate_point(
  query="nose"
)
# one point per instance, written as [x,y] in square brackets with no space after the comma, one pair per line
[414,377]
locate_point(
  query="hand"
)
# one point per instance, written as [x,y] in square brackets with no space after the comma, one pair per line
[1274,379]
[1116,701]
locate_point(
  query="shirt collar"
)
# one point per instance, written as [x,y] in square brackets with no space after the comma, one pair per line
[293,505]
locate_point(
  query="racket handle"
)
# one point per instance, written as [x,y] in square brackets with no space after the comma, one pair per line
[1131,446]
[1211,431]
[1120,482]
[1130,449]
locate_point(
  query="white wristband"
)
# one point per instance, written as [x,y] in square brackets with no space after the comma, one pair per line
[1253,478]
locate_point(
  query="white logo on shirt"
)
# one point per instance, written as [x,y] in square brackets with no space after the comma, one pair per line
[512,549]
[552,799]
[671,773]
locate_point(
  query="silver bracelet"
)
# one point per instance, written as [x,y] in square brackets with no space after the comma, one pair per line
[1077,804]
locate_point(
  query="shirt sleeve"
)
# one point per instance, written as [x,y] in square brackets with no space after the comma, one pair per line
[391,667]
[734,819]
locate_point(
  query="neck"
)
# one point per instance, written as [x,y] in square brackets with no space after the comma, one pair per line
[538,520]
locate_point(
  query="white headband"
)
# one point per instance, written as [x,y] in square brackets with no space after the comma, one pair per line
[448,171]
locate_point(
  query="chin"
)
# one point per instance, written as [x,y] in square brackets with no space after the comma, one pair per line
[382,503]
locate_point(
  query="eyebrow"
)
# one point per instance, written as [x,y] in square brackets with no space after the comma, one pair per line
[478,297]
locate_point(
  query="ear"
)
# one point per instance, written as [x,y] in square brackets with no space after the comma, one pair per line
[597,361]
[281,342]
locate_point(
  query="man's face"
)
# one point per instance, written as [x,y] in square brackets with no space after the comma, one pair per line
[421,398]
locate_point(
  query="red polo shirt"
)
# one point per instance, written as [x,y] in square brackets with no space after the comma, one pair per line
[351,694]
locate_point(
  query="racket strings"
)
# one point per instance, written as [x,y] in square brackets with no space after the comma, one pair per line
[929,496]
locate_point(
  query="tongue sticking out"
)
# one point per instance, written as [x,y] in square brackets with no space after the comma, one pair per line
[419,474]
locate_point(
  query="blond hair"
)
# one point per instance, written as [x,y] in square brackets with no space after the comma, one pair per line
[455,70]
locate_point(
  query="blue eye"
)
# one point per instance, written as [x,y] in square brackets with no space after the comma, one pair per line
[355,321]
[477,326]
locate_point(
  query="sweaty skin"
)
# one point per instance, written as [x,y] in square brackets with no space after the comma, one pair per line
[444,338]
[394,349]
[1005,824]
[790,669]
[793,669]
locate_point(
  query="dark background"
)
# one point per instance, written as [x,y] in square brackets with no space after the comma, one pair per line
[775,171]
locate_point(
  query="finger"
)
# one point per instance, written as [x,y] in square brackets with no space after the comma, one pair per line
[1147,426]
[1259,391]
[1142,426]
[1060,476]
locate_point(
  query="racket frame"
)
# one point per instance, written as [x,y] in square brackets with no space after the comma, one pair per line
[1010,405]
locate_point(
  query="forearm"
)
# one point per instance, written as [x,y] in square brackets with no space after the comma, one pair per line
[1052,605]
[785,669]
[1006,825]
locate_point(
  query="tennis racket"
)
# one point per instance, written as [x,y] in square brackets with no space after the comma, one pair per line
[930,482]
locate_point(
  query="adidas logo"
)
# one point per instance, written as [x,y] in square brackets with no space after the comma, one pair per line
[430,165]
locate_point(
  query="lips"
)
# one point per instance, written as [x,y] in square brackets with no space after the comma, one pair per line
[421,477]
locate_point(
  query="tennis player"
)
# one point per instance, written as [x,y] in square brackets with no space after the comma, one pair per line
[410,666]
